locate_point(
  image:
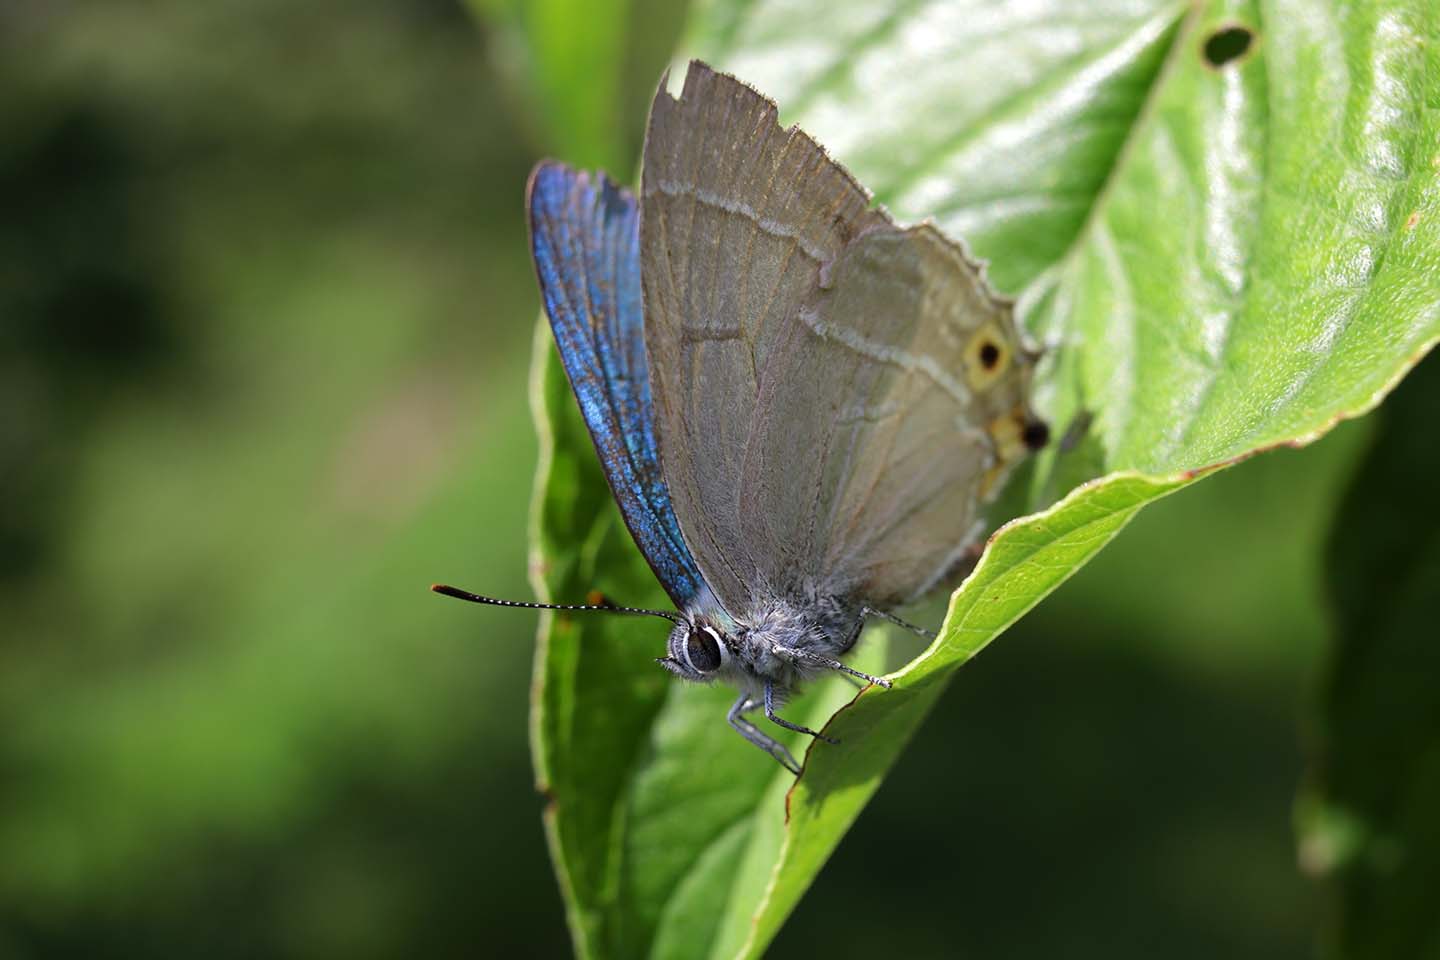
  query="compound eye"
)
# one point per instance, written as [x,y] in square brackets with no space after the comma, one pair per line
[703,650]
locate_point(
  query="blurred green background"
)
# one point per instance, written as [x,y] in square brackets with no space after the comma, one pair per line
[265,317]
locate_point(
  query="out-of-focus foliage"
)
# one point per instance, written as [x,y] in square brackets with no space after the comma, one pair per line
[265,307]
[1369,819]
[265,315]
[582,71]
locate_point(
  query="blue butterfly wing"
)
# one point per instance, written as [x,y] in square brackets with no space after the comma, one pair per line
[585,239]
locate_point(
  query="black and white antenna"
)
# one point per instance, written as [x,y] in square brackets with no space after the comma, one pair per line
[459,594]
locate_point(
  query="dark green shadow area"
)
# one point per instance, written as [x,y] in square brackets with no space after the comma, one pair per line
[1369,821]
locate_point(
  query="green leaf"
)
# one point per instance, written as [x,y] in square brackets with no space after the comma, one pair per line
[1219,258]
[1368,820]
[566,80]
[582,71]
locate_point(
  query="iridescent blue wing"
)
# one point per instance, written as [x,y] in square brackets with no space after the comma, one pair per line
[585,238]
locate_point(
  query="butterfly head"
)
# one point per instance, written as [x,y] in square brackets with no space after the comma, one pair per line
[698,650]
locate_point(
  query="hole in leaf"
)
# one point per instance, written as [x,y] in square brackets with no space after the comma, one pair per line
[1227,44]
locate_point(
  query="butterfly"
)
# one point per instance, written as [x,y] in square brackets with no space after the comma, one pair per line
[799,404]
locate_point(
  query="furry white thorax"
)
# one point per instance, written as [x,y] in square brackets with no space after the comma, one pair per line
[771,642]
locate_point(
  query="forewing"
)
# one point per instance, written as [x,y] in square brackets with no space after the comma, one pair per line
[584,236]
[890,414]
[739,218]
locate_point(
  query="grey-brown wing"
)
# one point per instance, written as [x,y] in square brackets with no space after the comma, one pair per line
[832,392]
[892,412]
[738,216]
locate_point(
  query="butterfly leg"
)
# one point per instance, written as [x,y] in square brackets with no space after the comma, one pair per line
[860,675]
[830,663]
[891,618]
[773,718]
[750,732]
